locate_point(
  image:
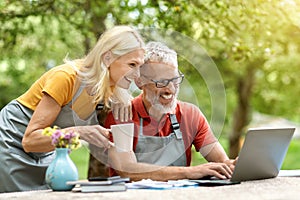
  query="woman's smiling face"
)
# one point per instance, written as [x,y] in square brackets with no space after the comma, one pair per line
[124,69]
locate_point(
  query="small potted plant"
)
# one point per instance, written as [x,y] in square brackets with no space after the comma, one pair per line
[62,168]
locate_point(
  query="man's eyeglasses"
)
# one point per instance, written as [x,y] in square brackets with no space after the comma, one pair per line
[165,82]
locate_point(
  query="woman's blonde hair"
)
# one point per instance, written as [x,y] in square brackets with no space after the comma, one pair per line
[119,40]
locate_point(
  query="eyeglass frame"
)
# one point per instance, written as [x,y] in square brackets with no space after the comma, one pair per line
[181,75]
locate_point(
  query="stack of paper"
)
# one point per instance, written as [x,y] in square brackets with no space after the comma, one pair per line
[150,184]
[110,184]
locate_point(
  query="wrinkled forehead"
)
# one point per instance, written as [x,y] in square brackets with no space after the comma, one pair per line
[157,70]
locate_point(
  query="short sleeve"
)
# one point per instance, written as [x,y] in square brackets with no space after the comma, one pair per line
[196,126]
[60,85]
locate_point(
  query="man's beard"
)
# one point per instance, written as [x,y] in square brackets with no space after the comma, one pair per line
[156,106]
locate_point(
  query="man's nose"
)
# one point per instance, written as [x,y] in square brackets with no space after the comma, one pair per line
[171,86]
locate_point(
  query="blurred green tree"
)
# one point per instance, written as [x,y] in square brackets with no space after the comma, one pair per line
[254,44]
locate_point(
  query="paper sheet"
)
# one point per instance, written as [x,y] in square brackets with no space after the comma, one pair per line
[150,184]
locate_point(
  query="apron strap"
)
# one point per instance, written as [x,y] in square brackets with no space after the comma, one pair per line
[175,126]
[80,89]
[77,82]
[141,126]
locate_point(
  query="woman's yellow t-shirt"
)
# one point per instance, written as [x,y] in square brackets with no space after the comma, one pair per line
[58,82]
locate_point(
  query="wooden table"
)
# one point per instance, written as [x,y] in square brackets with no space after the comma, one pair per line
[276,188]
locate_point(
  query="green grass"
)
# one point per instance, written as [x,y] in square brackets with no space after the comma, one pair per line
[292,159]
[81,158]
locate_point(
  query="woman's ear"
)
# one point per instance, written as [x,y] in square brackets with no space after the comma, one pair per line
[107,58]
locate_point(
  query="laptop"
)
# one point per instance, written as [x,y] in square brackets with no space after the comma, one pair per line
[261,156]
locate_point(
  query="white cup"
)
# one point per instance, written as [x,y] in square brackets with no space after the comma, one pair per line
[123,136]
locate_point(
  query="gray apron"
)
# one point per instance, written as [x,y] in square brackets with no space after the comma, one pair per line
[163,151]
[21,171]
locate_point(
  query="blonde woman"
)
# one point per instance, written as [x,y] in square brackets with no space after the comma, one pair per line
[66,96]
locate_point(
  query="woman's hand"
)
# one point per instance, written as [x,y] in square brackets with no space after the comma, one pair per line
[121,111]
[94,134]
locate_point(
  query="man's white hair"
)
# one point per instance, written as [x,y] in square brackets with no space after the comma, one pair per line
[158,52]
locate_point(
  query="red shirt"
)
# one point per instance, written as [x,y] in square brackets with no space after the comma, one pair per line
[193,125]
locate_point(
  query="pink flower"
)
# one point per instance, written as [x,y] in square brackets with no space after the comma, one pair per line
[62,139]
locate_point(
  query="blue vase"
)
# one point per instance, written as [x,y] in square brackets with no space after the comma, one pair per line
[61,170]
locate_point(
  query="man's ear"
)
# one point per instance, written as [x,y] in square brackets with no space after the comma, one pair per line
[107,58]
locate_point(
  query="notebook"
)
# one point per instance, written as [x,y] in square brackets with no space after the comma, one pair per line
[261,156]
[118,187]
[100,184]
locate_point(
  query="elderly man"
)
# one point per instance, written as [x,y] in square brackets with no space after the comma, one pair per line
[166,129]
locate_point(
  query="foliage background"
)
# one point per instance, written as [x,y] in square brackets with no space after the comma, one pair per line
[255,45]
